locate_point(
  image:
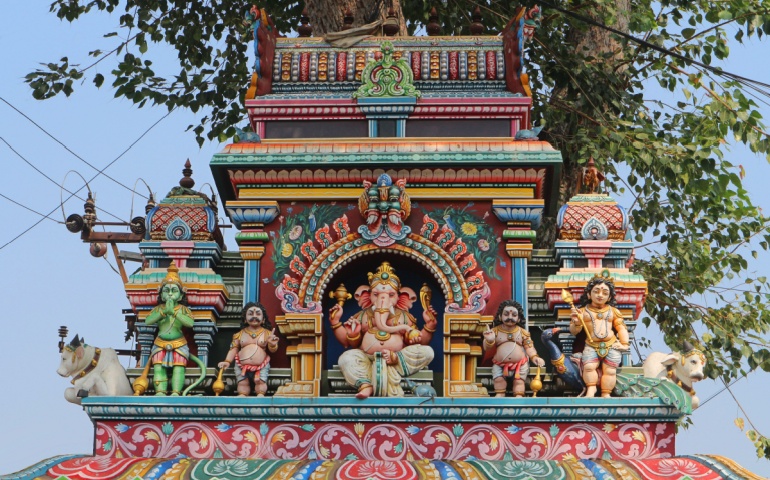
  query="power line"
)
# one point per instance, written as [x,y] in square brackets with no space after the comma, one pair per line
[99,172]
[717,71]
[27,208]
[51,180]
[92,178]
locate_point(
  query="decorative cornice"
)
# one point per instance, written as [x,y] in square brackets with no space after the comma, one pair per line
[405,409]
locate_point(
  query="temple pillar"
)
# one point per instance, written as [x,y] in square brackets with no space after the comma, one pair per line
[250,217]
[462,349]
[304,334]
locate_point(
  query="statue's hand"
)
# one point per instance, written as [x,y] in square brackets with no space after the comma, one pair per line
[430,316]
[273,338]
[352,327]
[621,347]
[489,335]
[169,308]
[223,364]
[538,361]
[335,314]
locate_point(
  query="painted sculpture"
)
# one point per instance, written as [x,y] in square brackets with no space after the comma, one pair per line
[385,206]
[250,350]
[566,370]
[511,348]
[385,344]
[94,371]
[601,324]
[170,350]
[683,368]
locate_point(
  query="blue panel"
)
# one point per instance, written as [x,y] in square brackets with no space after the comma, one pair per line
[519,282]
[250,281]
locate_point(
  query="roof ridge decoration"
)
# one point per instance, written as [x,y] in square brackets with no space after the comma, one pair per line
[386,77]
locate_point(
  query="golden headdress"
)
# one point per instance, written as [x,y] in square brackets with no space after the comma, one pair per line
[605,275]
[384,274]
[172,276]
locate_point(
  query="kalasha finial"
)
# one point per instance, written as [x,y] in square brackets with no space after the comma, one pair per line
[347,19]
[392,26]
[187,181]
[305,30]
[433,27]
[89,217]
[477,28]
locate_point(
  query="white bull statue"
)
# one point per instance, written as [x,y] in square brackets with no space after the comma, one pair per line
[95,371]
[684,368]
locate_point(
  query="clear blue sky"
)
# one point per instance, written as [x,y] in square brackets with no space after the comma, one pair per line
[48,278]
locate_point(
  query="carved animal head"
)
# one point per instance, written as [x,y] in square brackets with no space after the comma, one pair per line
[688,365]
[70,356]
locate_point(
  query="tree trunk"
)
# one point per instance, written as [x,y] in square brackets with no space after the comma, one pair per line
[596,42]
[326,16]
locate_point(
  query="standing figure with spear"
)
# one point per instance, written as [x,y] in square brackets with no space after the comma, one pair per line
[605,331]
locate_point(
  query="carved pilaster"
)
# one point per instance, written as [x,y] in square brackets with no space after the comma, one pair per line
[204,338]
[462,349]
[303,332]
[145,339]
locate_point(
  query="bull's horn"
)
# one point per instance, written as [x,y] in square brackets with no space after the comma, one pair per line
[687,347]
[76,342]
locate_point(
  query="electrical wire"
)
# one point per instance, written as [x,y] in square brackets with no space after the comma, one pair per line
[100,172]
[92,178]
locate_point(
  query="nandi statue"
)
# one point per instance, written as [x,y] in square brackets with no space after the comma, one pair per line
[95,371]
[684,368]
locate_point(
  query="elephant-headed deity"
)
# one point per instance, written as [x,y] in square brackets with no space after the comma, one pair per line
[384,342]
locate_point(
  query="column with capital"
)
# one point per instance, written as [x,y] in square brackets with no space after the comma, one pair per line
[250,217]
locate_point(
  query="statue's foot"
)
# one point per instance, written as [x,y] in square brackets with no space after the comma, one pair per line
[175,394]
[260,394]
[591,391]
[500,395]
[242,395]
[365,393]
[160,394]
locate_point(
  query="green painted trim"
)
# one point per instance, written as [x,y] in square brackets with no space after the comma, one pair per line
[519,235]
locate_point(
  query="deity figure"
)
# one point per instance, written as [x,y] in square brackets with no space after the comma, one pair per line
[170,350]
[606,335]
[386,206]
[249,349]
[511,347]
[384,340]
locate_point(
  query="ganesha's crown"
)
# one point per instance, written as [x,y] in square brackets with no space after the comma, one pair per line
[384,274]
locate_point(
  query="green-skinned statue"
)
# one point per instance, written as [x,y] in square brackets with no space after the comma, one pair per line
[170,350]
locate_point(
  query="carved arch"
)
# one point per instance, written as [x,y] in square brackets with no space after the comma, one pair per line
[447,272]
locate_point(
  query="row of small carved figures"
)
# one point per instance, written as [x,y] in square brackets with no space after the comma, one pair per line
[98,372]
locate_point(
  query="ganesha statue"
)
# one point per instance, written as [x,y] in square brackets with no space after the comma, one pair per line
[385,206]
[383,340]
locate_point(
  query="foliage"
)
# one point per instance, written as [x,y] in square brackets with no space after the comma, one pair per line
[297,227]
[689,200]
[477,235]
[210,40]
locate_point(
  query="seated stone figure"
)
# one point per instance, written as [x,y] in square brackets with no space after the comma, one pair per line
[384,341]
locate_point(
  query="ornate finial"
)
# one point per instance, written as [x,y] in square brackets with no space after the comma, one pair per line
[386,275]
[172,276]
[392,26]
[341,295]
[605,275]
[592,177]
[433,27]
[347,19]
[387,77]
[187,181]
[304,30]
[477,28]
